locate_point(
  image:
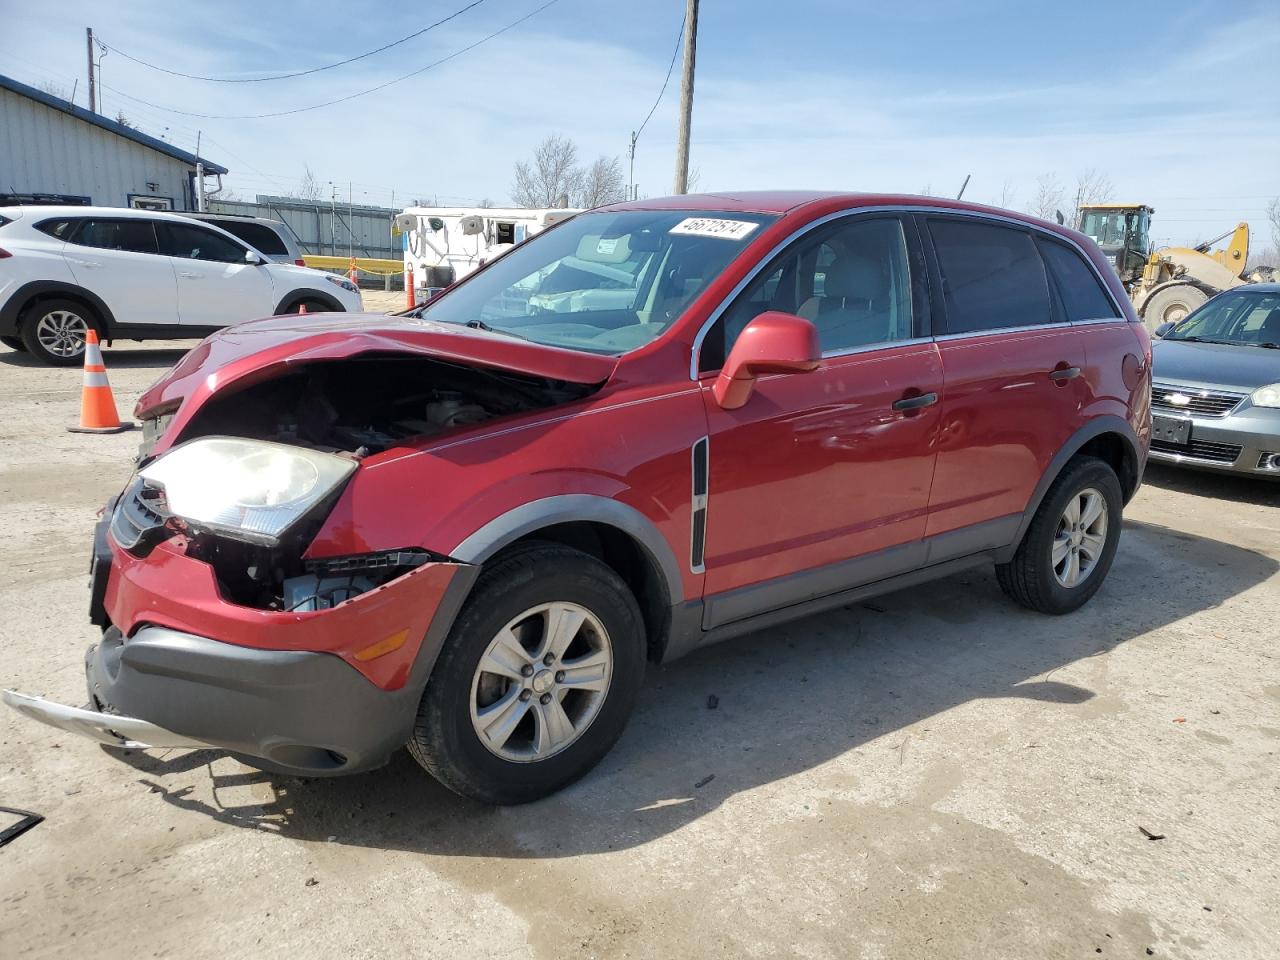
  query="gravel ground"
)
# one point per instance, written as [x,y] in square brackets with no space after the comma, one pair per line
[936,773]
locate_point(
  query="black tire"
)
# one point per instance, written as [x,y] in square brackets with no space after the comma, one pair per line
[445,740]
[14,343]
[31,330]
[1029,578]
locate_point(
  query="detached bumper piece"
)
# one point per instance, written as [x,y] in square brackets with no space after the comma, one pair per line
[115,731]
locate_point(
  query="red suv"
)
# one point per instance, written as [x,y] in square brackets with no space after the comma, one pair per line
[655,426]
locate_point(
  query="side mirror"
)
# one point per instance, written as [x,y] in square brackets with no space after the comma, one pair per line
[253,258]
[773,342]
[1164,328]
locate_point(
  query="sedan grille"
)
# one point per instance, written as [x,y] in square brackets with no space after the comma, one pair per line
[1192,400]
[1202,450]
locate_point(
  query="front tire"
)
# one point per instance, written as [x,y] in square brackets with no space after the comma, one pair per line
[14,343]
[1171,305]
[53,331]
[1071,543]
[537,678]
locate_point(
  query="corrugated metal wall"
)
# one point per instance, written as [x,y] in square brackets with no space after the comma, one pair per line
[323,228]
[47,151]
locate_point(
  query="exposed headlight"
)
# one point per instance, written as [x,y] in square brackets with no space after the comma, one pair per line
[247,488]
[1266,396]
[342,282]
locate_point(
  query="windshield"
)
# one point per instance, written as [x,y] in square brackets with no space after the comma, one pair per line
[1251,318]
[601,282]
[1108,228]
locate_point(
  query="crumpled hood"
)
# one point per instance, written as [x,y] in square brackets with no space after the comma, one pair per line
[1214,364]
[248,352]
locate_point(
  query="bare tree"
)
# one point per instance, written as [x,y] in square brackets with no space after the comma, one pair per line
[1093,187]
[309,187]
[601,183]
[55,89]
[1273,215]
[122,119]
[1006,196]
[553,177]
[693,183]
[1048,197]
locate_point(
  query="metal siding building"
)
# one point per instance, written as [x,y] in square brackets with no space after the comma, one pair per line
[324,227]
[49,146]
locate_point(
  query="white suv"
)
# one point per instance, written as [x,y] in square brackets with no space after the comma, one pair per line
[137,275]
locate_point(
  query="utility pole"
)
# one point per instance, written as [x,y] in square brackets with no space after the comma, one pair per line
[686,96]
[631,177]
[351,218]
[93,89]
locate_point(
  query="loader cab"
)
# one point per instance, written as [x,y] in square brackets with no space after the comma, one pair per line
[1123,233]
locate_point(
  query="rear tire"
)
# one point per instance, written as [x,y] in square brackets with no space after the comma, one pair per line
[14,343]
[1171,304]
[515,708]
[1040,575]
[53,331]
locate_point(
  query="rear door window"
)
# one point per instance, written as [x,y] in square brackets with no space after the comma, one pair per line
[258,236]
[60,229]
[992,276]
[189,242]
[1078,286]
[132,236]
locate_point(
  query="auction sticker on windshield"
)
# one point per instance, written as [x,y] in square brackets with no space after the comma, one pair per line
[711,227]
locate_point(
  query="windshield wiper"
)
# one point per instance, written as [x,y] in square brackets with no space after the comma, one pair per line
[1200,340]
[481,325]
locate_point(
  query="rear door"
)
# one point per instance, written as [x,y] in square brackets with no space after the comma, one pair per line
[1012,365]
[119,260]
[216,285]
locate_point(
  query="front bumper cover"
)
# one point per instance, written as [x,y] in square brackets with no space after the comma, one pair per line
[1256,431]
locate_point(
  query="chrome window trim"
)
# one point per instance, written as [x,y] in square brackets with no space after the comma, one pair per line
[907,210]
[993,331]
[870,347]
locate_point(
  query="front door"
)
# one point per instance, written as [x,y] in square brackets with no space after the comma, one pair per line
[119,260]
[216,285]
[821,480]
[1013,368]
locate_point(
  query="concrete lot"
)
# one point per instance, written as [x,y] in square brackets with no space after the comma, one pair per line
[936,773]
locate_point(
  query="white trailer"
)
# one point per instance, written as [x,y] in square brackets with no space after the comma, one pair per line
[444,244]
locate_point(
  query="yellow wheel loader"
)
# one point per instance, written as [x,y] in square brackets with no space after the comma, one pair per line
[1166,284]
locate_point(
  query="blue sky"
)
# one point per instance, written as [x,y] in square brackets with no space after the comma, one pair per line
[809,93]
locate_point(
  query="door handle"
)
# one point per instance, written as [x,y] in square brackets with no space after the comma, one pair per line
[91,264]
[1064,373]
[188,276]
[915,403]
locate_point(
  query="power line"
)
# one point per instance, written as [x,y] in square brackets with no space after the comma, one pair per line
[674,53]
[298,73]
[351,96]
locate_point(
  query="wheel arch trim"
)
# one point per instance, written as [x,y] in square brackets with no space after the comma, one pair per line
[535,515]
[307,293]
[22,298]
[1100,426]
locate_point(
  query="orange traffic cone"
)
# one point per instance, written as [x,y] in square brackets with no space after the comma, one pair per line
[97,406]
[302,308]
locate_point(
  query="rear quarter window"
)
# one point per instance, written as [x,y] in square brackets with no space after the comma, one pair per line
[261,238]
[60,229]
[1079,287]
[992,276]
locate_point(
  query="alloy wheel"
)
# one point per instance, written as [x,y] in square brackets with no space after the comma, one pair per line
[1080,538]
[62,333]
[541,682]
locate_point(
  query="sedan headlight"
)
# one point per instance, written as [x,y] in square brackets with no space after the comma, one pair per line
[342,282]
[1266,396]
[249,489]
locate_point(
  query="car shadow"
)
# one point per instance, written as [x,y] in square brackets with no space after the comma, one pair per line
[160,358]
[1221,486]
[760,709]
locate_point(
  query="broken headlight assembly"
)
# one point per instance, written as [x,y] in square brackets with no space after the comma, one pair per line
[250,490]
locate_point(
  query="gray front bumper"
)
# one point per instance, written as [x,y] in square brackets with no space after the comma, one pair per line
[287,711]
[1256,431]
